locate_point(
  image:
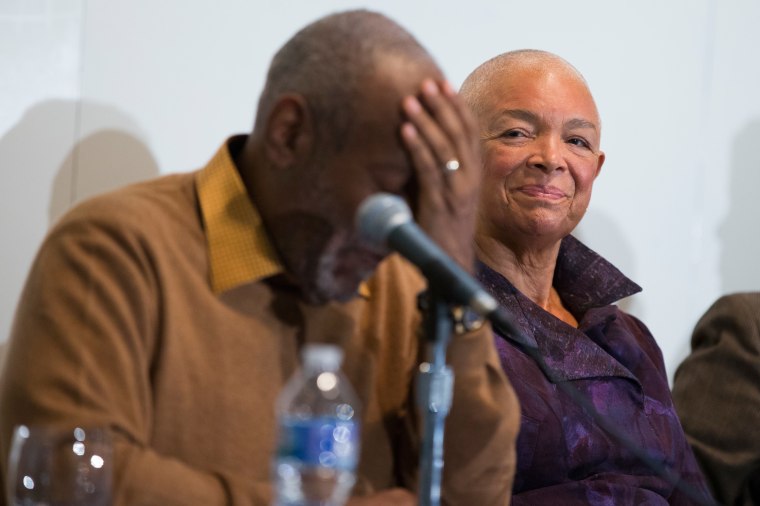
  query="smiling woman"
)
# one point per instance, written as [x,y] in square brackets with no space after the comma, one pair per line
[540,137]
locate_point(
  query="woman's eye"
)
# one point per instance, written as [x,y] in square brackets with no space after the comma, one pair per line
[577,141]
[514,134]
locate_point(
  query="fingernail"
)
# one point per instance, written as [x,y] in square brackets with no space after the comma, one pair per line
[448,89]
[408,131]
[429,86]
[412,105]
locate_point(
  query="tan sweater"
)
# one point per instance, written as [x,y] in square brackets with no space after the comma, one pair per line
[118,325]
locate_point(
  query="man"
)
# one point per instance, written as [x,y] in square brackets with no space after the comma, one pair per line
[172,311]
[717,393]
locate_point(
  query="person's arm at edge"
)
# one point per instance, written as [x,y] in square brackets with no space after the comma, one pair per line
[716,393]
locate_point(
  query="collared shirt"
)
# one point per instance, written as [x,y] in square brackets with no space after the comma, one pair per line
[238,246]
[613,360]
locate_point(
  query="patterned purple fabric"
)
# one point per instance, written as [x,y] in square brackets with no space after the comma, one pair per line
[613,360]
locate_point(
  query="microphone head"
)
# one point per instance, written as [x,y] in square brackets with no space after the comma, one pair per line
[379,215]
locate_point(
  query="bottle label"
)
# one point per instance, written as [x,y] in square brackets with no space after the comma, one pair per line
[323,441]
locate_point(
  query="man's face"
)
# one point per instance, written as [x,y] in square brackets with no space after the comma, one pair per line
[371,160]
[541,132]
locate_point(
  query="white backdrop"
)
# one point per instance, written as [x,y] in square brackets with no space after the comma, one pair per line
[97,93]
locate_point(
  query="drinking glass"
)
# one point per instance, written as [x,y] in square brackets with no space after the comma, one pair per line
[55,466]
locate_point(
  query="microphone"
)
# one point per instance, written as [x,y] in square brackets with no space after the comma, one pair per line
[384,220]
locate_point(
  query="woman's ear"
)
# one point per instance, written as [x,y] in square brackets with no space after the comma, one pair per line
[600,163]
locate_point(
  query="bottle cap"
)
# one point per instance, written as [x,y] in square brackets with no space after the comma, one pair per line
[322,356]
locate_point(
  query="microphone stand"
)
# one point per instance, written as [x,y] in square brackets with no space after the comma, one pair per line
[434,391]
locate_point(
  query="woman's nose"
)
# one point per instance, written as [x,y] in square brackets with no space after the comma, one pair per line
[547,155]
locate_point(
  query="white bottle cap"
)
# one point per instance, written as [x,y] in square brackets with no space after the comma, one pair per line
[326,357]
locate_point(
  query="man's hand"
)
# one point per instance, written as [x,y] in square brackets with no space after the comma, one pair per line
[392,497]
[439,132]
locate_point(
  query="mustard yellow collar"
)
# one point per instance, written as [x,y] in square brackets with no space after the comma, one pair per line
[239,248]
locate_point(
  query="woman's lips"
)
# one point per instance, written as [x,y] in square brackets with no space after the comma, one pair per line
[541,191]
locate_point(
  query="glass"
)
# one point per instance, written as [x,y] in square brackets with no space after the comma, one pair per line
[53,466]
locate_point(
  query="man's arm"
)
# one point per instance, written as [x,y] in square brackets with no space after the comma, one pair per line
[482,426]
[81,352]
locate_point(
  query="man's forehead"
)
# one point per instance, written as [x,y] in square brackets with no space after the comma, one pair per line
[383,91]
[403,72]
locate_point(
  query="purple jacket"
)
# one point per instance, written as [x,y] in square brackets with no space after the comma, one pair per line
[563,457]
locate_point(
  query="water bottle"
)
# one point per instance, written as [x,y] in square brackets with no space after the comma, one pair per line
[318,441]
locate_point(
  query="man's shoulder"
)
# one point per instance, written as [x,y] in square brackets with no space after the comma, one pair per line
[144,206]
[156,217]
[741,303]
[733,316]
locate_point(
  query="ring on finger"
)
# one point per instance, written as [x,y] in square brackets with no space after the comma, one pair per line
[452,165]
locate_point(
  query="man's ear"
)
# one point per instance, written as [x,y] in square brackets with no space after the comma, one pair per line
[290,131]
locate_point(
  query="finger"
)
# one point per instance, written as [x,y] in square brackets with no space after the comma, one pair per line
[457,119]
[465,114]
[450,115]
[427,171]
[428,120]
[432,152]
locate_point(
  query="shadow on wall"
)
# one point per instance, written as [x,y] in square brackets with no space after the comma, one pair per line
[108,157]
[44,170]
[100,162]
[738,234]
[600,233]
[109,154]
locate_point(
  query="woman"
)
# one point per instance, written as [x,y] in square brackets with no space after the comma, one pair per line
[540,133]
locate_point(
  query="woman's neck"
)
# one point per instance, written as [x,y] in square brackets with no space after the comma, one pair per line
[530,270]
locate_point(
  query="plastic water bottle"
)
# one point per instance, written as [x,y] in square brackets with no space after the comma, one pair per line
[318,444]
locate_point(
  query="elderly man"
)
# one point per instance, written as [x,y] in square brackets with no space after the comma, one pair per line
[540,134]
[172,311]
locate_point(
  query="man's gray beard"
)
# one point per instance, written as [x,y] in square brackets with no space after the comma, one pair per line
[324,285]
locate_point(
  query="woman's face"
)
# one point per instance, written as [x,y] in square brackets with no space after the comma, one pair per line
[540,132]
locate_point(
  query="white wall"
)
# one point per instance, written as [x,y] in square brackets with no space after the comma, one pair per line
[97,93]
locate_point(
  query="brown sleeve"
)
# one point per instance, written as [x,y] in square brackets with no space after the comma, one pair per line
[80,353]
[717,395]
[482,427]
